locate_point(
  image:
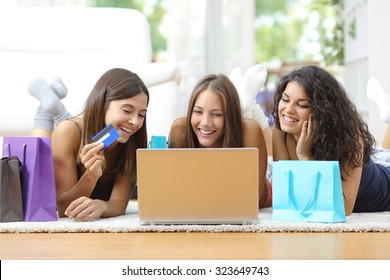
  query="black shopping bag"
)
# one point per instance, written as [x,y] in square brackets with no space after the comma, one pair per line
[11,204]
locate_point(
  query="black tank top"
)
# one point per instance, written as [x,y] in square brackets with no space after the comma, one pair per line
[104,185]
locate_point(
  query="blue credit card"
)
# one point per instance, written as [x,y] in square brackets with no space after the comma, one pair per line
[107,136]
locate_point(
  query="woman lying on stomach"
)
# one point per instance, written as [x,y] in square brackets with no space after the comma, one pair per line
[214,120]
[316,120]
[91,182]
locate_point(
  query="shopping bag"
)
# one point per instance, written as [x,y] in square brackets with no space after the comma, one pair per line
[37,176]
[308,191]
[11,204]
[158,142]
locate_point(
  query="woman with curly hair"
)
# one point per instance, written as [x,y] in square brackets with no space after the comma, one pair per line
[316,120]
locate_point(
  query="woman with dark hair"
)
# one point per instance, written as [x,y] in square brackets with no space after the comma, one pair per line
[214,120]
[91,182]
[316,120]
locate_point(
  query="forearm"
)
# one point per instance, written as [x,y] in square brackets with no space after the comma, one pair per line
[305,157]
[83,187]
[263,188]
[268,139]
[386,138]
[119,197]
[176,137]
[114,207]
[349,193]
[347,207]
[350,184]
[279,148]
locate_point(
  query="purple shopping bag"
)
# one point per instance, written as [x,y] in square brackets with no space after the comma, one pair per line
[37,175]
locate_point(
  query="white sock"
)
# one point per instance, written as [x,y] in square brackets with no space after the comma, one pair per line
[376,94]
[59,88]
[255,112]
[49,100]
[252,81]
[248,86]
[158,73]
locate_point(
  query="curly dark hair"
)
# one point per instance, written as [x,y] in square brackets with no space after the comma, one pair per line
[339,129]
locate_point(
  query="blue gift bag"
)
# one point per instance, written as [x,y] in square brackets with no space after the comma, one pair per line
[307,191]
[158,142]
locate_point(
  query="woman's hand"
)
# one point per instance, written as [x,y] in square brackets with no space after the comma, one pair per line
[305,141]
[85,209]
[92,158]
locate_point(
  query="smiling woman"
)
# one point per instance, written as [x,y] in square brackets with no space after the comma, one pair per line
[207,119]
[315,119]
[129,116]
[214,120]
[92,183]
[294,109]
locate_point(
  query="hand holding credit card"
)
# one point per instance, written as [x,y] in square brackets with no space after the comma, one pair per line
[106,136]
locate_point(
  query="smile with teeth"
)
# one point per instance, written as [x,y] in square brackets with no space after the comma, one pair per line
[125,129]
[289,119]
[206,132]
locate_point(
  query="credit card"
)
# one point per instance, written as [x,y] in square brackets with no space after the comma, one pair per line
[107,136]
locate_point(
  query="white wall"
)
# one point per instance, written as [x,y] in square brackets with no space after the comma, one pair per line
[378,30]
[367,55]
[32,3]
[209,37]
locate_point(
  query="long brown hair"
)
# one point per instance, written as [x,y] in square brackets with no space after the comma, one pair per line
[220,84]
[115,84]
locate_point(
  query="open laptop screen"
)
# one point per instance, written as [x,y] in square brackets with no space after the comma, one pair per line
[208,186]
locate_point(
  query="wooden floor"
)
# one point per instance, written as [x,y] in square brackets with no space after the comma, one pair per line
[189,246]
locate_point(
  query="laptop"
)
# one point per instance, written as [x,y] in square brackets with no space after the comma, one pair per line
[198,186]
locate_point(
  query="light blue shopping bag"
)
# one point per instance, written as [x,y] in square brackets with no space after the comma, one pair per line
[307,191]
[158,142]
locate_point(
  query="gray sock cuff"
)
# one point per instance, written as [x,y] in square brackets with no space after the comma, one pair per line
[62,117]
[43,120]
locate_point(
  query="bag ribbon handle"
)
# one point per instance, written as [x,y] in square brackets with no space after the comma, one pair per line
[310,205]
[21,162]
